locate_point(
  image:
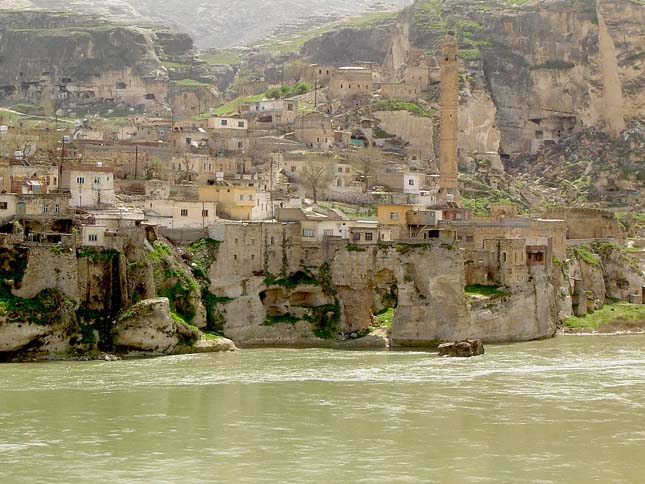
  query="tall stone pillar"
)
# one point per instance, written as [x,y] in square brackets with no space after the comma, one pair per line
[449,101]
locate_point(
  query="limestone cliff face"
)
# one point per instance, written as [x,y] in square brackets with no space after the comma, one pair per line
[57,302]
[79,59]
[316,299]
[568,63]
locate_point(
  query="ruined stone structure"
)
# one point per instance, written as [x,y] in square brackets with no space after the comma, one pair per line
[448,187]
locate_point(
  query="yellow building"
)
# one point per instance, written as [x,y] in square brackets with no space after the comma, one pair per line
[237,202]
[395,218]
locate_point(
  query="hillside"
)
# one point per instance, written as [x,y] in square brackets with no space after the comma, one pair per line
[217,23]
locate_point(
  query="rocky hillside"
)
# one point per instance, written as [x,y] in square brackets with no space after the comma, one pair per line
[217,23]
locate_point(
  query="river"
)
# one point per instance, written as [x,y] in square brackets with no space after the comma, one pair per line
[567,410]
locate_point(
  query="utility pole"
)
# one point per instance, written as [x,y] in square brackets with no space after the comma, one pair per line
[136,161]
[315,89]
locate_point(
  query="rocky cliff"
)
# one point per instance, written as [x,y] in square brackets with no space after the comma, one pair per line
[58,302]
[312,300]
[215,23]
[67,59]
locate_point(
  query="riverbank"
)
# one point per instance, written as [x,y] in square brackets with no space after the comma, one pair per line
[612,319]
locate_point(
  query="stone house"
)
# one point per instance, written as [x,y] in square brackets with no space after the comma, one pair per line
[244,201]
[89,186]
[315,131]
[399,91]
[180,214]
[13,177]
[350,81]
[588,223]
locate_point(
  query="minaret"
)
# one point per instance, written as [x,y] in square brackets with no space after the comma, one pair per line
[449,101]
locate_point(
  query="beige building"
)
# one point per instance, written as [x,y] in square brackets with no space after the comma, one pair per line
[90,186]
[181,214]
[351,81]
[399,91]
[243,202]
[315,131]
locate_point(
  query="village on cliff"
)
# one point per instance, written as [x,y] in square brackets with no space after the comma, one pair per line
[286,221]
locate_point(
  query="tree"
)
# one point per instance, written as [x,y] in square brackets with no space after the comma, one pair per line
[301,88]
[316,176]
[367,162]
[273,93]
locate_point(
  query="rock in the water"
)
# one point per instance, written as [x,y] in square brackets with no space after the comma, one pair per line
[462,349]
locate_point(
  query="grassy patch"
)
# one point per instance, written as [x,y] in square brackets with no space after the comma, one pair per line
[189,83]
[222,57]
[385,318]
[491,292]
[386,105]
[610,314]
[355,248]
[585,254]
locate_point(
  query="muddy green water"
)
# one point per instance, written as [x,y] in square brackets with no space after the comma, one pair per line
[568,410]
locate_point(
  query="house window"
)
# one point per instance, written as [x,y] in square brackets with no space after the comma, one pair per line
[394,216]
[184,212]
[289,107]
[204,213]
[348,170]
[293,168]
[307,233]
[97,180]
[93,238]
[240,124]
[340,169]
[250,198]
[241,198]
[356,236]
[469,238]
[328,232]
[3,206]
[411,182]
[272,240]
[45,208]
[369,236]
[56,208]
[224,122]
[80,180]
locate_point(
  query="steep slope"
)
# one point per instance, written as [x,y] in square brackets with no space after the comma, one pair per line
[217,23]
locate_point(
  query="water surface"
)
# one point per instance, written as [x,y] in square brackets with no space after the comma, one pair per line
[568,410]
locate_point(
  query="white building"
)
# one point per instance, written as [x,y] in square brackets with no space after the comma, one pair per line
[90,186]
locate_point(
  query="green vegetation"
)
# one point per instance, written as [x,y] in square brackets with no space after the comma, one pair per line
[44,309]
[97,255]
[203,254]
[286,91]
[325,320]
[491,292]
[584,253]
[292,280]
[233,107]
[385,318]
[611,314]
[284,319]
[470,54]
[189,83]
[174,282]
[355,248]
[227,57]
[413,108]
[556,64]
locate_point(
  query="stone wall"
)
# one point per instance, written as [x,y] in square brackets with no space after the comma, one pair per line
[49,267]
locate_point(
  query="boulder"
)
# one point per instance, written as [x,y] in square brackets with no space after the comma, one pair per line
[462,349]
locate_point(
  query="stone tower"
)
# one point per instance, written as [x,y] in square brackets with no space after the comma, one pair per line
[449,101]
